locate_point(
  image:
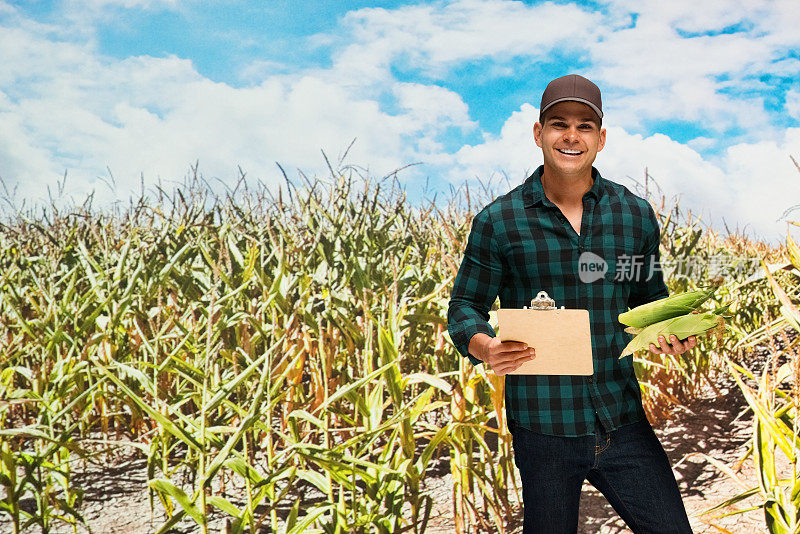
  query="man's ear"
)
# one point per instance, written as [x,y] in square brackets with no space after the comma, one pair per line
[602,142]
[537,133]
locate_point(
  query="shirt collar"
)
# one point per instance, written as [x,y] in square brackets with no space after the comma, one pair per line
[533,193]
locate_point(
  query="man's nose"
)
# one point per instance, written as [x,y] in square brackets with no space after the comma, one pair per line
[571,133]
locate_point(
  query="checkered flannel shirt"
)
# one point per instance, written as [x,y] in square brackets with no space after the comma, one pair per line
[521,244]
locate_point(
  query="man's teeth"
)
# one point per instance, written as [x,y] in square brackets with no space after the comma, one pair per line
[570,152]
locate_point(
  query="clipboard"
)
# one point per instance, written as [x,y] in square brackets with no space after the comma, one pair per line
[562,338]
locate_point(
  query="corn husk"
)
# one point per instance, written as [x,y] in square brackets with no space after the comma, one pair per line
[666,308]
[721,311]
[690,324]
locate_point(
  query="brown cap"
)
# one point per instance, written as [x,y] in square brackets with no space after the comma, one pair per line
[572,87]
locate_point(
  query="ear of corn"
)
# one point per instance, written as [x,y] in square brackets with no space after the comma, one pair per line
[666,308]
[684,326]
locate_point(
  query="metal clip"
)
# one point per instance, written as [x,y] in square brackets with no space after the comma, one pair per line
[543,302]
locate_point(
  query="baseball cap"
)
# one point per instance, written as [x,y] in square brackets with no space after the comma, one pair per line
[571,87]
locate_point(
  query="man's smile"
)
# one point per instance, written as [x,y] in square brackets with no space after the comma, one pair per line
[569,152]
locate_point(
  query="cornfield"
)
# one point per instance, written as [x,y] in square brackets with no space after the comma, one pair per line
[282,361]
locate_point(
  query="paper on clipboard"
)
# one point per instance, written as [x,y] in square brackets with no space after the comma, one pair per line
[561,338]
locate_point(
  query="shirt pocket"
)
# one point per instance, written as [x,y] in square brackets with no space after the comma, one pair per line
[616,289]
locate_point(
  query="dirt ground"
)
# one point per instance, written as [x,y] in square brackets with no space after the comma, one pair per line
[712,425]
[116,500]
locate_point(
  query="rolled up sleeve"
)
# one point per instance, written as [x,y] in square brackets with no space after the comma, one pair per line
[476,286]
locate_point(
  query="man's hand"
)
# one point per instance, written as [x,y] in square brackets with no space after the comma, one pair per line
[674,347]
[502,356]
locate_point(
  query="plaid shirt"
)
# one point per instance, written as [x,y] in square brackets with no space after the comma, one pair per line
[521,244]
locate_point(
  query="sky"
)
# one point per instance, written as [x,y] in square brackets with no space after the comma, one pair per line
[106,95]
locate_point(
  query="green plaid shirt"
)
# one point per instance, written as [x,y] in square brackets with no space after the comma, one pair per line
[521,244]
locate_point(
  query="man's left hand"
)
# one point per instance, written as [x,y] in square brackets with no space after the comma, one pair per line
[675,346]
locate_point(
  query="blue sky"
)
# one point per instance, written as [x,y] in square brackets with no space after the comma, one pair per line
[707,100]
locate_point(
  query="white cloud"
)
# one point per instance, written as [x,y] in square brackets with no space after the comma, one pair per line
[764,181]
[155,116]
[258,70]
[66,106]
[793,103]
[434,37]
[128,4]
[677,171]
[21,162]
[513,153]
[433,102]
[673,64]
[660,74]
[428,110]
[789,66]
[701,143]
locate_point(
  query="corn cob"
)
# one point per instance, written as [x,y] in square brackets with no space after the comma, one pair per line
[722,310]
[666,308]
[684,326]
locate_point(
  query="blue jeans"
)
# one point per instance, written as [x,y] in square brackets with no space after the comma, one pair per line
[627,465]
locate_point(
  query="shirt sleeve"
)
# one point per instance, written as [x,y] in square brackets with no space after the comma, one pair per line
[650,286]
[476,286]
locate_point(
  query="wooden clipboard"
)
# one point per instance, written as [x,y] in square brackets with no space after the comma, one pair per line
[562,338]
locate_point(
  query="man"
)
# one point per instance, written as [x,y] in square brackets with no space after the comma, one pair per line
[570,428]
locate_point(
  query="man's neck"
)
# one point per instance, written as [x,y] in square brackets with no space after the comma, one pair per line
[565,189]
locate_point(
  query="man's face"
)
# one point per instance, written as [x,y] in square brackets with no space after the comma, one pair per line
[569,138]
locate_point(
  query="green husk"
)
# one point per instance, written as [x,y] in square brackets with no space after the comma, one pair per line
[666,308]
[691,324]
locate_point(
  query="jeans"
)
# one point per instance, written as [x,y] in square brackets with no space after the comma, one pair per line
[627,465]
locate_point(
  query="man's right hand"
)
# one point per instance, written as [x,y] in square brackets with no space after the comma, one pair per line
[502,356]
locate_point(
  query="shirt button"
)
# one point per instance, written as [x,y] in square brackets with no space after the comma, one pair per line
[590,379]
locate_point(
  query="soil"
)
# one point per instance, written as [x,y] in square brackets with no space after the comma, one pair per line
[717,424]
[117,500]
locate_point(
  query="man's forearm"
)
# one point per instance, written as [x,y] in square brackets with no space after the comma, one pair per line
[478,343]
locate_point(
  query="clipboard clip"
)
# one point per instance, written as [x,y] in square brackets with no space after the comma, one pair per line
[543,302]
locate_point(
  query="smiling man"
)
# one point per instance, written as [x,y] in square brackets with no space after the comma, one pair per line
[567,429]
